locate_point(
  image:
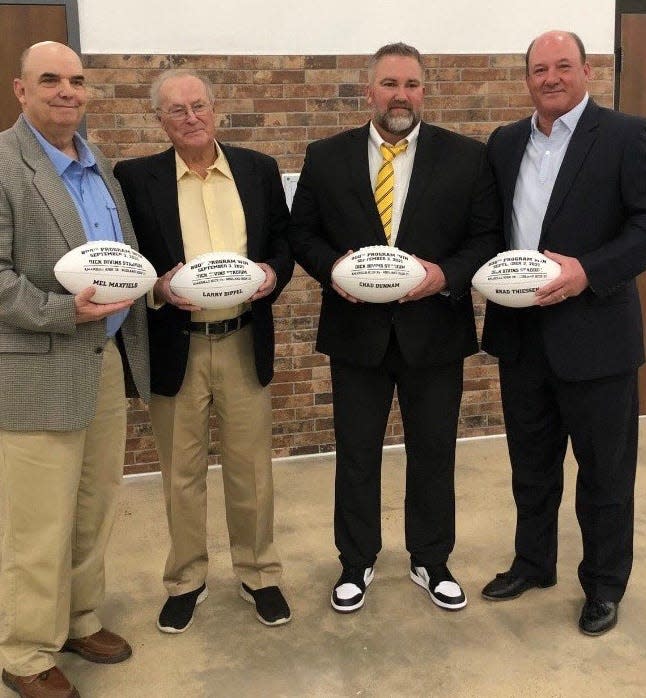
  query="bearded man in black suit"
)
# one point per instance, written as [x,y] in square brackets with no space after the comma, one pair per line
[445,213]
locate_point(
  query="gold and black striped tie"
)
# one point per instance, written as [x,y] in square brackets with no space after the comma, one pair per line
[386,184]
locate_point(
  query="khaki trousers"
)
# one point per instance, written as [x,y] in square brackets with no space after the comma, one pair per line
[220,371]
[58,503]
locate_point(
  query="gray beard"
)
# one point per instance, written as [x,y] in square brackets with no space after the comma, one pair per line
[398,124]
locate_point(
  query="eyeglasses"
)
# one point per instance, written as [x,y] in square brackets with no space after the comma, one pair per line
[180,113]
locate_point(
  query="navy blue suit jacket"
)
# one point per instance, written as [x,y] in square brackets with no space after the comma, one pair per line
[597,213]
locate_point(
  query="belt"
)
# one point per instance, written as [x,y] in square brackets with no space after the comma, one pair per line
[221,326]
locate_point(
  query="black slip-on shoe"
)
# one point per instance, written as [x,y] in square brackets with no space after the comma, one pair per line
[271,606]
[177,614]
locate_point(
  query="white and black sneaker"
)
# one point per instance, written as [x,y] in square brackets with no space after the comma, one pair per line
[177,614]
[440,584]
[349,592]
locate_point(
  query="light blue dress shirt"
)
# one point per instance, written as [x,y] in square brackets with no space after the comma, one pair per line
[91,197]
[538,171]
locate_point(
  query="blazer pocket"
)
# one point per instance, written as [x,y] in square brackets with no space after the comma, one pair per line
[25,343]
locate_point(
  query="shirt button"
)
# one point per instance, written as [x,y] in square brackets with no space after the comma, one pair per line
[98,350]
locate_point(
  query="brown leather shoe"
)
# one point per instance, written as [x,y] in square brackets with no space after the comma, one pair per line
[103,647]
[48,684]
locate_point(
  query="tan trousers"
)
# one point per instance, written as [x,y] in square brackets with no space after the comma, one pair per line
[220,371]
[58,503]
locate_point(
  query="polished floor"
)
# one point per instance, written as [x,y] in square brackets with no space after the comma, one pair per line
[399,644]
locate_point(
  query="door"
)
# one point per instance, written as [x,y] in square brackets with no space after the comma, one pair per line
[632,100]
[21,25]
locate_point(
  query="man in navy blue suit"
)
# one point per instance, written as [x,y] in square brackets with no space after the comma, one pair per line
[572,179]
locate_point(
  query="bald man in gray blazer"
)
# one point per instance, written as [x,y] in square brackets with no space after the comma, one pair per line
[62,359]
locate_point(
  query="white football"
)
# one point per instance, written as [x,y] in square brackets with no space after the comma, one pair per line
[116,270]
[378,274]
[218,280]
[512,278]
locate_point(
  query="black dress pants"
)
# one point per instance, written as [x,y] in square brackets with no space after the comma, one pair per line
[429,399]
[601,418]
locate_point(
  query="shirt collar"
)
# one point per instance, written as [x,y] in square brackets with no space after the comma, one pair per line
[569,120]
[221,164]
[377,140]
[61,160]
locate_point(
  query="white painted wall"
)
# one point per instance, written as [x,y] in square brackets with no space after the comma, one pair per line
[336,26]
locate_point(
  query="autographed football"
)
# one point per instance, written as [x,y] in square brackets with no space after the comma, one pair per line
[218,280]
[512,278]
[116,270]
[378,274]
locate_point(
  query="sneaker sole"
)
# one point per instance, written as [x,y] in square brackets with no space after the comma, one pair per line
[448,607]
[249,598]
[357,606]
[175,631]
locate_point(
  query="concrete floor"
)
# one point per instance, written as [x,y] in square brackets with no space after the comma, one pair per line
[399,644]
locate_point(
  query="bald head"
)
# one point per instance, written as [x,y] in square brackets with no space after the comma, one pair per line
[46,50]
[557,75]
[558,36]
[51,90]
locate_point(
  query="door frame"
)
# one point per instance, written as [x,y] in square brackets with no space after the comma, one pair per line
[634,7]
[71,17]
[72,25]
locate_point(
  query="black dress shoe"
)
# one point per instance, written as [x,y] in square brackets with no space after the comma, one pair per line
[508,585]
[598,616]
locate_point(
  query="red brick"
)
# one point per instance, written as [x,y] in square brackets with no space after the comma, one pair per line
[282,105]
[320,62]
[464,60]
[312,90]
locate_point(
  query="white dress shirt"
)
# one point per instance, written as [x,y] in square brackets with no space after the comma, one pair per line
[402,166]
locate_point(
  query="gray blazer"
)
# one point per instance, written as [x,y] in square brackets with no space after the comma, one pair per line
[49,365]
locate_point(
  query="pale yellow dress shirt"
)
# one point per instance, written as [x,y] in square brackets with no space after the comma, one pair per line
[212,220]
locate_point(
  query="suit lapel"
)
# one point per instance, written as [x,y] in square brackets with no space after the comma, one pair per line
[585,134]
[162,190]
[50,186]
[357,160]
[428,155]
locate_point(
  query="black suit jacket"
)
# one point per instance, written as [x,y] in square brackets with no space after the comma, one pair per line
[450,217]
[597,213]
[150,188]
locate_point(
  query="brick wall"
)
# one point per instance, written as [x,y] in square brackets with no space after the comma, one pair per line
[278,104]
